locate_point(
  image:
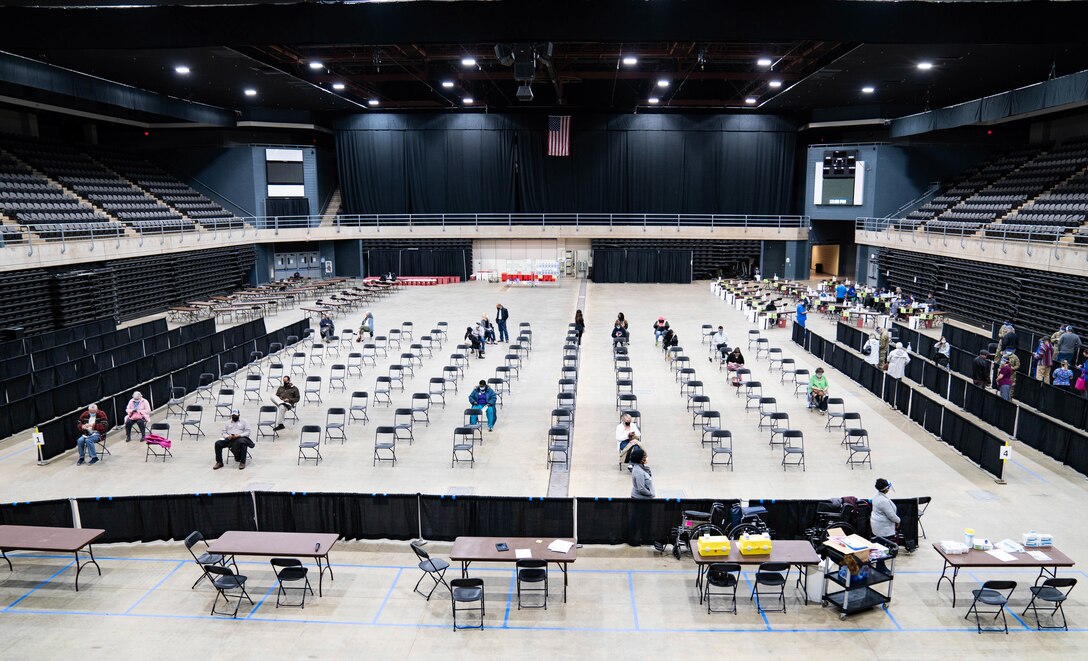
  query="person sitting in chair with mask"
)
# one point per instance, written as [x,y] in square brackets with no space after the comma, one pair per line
[236,436]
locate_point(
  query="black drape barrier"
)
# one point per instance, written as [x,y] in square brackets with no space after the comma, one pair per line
[633,522]
[420,262]
[446,517]
[788,518]
[617,164]
[902,397]
[620,265]
[350,515]
[55,513]
[286,206]
[907,510]
[154,518]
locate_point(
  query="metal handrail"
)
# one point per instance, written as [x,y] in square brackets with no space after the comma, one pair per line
[887,226]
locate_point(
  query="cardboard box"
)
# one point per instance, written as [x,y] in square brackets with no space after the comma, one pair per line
[854,545]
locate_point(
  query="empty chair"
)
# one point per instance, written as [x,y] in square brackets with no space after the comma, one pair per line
[224,403]
[266,423]
[370,354]
[706,333]
[753,335]
[227,374]
[381,346]
[763,346]
[623,386]
[565,400]
[471,418]
[347,339]
[774,357]
[793,448]
[850,420]
[685,374]
[992,593]
[357,407]
[433,568]
[464,444]
[520,350]
[857,442]
[385,442]
[1053,591]
[836,411]
[403,423]
[254,384]
[800,382]
[680,365]
[426,346]
[275,376]
[558,445]
[753,392]
[407,330]
[532,572]
[410,362]
[312,390]
[227,585]
[467,591]
[779,423]
[204,389]
[394,338]
[696,405]
[689,388]
[724,575]
[355,363]
[176,404]
[337,377]
[383,389]
[503,372]
[499,386]
[441,331]
[767,406]
[459,361]
[625,400]
[336,421]
[740,379]
[707,421]
[721,448]
[568,385]
[562,418]
[770,580]
[154,449]
[205,558]
[436,390]
[291,570]
[513,361]
[452,374]
[923,505]
[317,354]
[396,376]
[255,356]
[788,367]
[298,363]
[624,372]
[309,444]
[190,424]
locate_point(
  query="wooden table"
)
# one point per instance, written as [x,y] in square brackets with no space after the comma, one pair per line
[975,558]
[467,550]
[46,538]
[314,545]
[798,553]
[186,312]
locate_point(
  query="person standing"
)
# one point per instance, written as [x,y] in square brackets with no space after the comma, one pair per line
[1004,379]
[897,361]
[885,342]
[1063,376]
[501,316]
[1044,359]
[1007,338]
[980,369]
[483,397]
[642,479]
[579,325]
[92,424]
[840,293]
[871,350]
[236,436]
[137,412]
[285,399]
[1013,361]
[1068,346]
[802,314]
[884,517]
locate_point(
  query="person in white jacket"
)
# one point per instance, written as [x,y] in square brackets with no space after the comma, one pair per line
[897,361]
[873,357]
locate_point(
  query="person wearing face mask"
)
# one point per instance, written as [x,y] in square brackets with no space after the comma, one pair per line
[285,399]
[236,437]
[628,437]
[884,517]
[92,424]
[137,412]
[483,397]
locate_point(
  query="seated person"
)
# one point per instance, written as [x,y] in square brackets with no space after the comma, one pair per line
[367,326]
[476,344]
[734,361]
[328,329]
[721,342]
[628,437]
[660,326]
[236,436]
[488,329]
[137,412]
[285,399]
[92,425]
[483,397]
[619,335]
[669,340]
[817,391]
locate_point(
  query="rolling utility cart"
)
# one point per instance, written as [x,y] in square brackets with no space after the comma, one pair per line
[852,583]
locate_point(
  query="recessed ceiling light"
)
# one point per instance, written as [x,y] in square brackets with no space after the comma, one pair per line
[652,100]
[315,65]
[751,100]
[764,61]
[468,100]
[868,90]
[447,84]
[182,70]
[468,62]
[925,66]
[373,102]
[630,60]
[338,86]
[775,84]
[250,92]
[663,82]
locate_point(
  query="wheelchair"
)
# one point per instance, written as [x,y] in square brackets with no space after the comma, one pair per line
[718,521]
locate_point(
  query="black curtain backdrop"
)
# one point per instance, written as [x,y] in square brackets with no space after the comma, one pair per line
[446,517]
[350,515]
[418,262]
[662,266]
[155,518]
[618,164]
[55,513]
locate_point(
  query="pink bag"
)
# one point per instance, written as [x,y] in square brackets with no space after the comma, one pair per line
[1079,384]
[155,439]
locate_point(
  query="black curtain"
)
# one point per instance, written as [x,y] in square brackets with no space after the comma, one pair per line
[350,515]
[447,517]
[287,206]
[660,266]
[371,169]
[55,513]
[422,262]
[154,518]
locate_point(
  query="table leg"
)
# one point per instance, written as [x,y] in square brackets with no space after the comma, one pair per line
[1052,572]
[6,559]
[951,581]
[321,569]
[464,568]
[802,580]
[92,561]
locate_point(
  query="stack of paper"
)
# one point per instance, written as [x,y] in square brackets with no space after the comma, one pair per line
[1039,555]
[560,546]
[1001,555]
[523,554]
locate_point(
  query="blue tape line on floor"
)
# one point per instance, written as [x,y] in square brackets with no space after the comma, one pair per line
[173,571]
[388,594]
[41,585]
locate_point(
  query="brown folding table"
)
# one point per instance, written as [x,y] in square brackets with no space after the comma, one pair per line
[467,550]
[798,553]
[47,538]
[314,545]
[975,558]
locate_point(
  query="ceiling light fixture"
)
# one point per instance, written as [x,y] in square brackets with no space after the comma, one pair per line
[653,100]
[468,62]
[250,92]
[338,86]
[182,70]
[751,100]
[925,66]
[868,90]
[630,60]
[373,102]
[468,100]
[775,84]
[764,61]
[315,65]
[447,84]
[663,82]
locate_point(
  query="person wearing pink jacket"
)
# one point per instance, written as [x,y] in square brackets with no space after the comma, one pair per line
[137,412]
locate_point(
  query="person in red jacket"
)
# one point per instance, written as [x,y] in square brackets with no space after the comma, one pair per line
[92,425]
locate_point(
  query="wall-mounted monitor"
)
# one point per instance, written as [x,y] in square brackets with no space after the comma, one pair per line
[839,179]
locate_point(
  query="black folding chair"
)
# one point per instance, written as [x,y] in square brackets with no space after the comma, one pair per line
[467,591]
[226,581]
[532,572]
[773,576]
[433,568]
[291,570]
[725,575]
[992,593]
[205,558]
[1053,591]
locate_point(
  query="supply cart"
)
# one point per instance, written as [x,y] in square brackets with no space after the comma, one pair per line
[852,582]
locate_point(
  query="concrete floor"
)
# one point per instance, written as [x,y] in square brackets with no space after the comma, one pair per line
[622,600]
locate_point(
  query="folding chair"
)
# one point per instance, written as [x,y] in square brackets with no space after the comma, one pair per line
[474,419]
[503,372]
[312,390]
[421,406]
[1053,591]
[837,414]
[396,376]
[385,440]
[739,379]
[225,581]
[317,354]
[800,381]
[708,421]
[224,403]
[773,576]
[369,353]
[850,420]
[724,575]
[923,505]
[176,403]
[194,415]
[858,445]
[767,406]
[394,338]
[158,451]
[205,558]
[763,346]
[291,570]
[432,568]
[624,400]
[707,333]
[793,448]
[410,361]
[452,374]
[753,337]
[254,384]
[309,440]
[689,388]
[204,389]
[992,593]
[568,385]
[788,367]
[624,386]
[336,420]
[532,572]
[562,418]
[298,363]
[696,405]
[753,392]
[774,356]
[425,346]
[685,374]
[381,346]
[780,422]
[357,407]
[442,331]
[403,421]
[436,387]
[459,361]
[266,423]
[513,361]
[275,376]
[565,400]
[337,377]
[721,446]
[463,442]
[558,445]
[467,591]
[227,374]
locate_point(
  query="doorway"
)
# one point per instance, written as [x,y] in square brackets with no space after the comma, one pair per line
[825,259]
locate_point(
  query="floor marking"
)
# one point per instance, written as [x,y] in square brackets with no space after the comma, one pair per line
[40,585]
[181,563]
[387,595]
[634,605]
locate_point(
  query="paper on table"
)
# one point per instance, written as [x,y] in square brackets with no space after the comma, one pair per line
[1001,555]
[1039,555]
[560,546]
[522,554]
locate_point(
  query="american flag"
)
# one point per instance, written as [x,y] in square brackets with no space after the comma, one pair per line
[559,135]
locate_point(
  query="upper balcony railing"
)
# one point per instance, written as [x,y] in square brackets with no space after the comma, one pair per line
[945,234]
